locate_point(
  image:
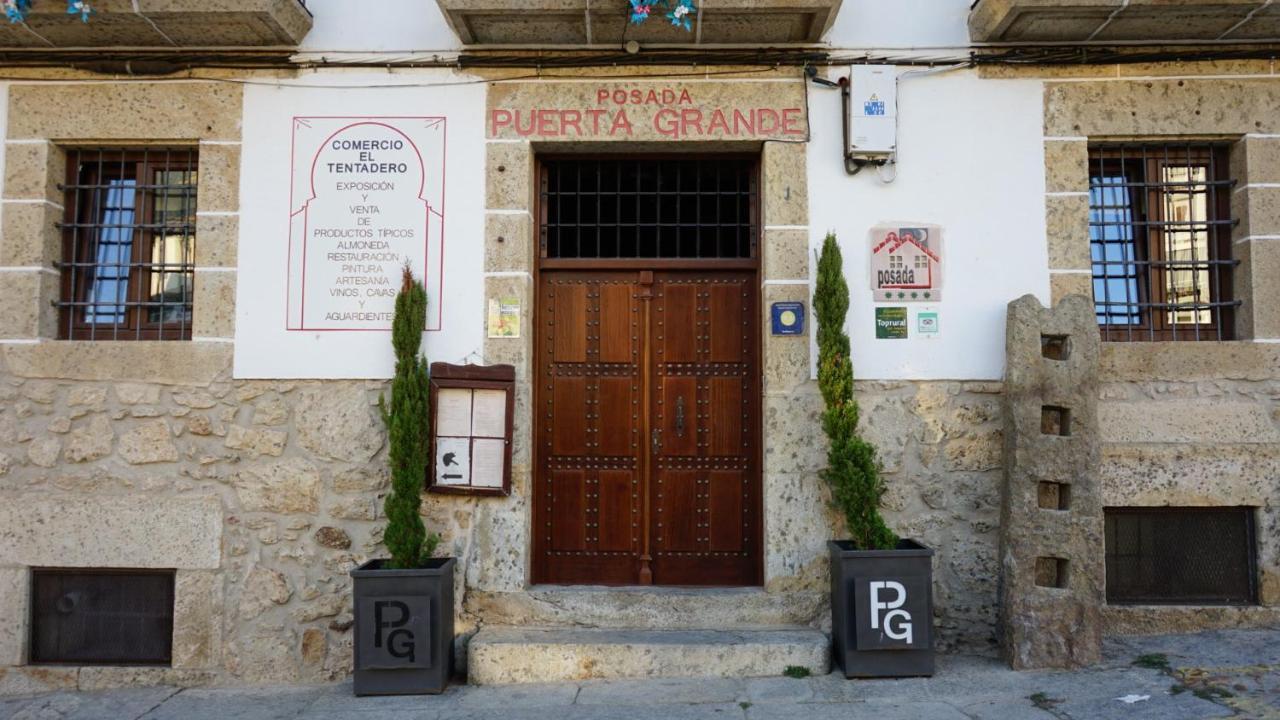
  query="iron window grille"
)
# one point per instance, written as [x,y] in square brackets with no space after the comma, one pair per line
[1160,241]
[1181,556]
[128,247]
[656,208]
[102,617]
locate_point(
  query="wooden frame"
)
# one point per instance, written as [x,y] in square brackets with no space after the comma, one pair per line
[473,377]
[1141,168]
[82,230]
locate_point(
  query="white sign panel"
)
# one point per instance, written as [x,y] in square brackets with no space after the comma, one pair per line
[346,178]
[368,198]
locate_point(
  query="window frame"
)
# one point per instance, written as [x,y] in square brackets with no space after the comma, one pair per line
[81,234]
[1141,164]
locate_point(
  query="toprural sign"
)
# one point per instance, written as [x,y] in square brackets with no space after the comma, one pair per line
[757,110]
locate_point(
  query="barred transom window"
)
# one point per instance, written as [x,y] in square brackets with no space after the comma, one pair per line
[129,237]
[1160,241]
[649,208]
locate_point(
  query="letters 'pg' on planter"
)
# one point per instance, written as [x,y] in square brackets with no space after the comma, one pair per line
[882,610]
[403,628]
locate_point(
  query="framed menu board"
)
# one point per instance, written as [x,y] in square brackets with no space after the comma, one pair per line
[472,408]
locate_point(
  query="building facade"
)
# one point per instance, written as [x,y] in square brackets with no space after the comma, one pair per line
[204,218]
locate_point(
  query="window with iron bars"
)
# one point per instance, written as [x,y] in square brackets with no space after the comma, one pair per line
[1160,241]
[649,208]
[128,250]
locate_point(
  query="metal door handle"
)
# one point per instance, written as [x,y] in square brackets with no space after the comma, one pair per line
[679,416]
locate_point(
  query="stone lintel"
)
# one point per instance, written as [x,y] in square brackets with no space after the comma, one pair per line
[162,362]
[1189,361]
[110,532]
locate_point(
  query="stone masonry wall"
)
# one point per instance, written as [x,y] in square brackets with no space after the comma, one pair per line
[294,474]
[1194,424]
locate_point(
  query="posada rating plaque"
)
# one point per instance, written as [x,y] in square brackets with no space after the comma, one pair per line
[906,263]
[367,199]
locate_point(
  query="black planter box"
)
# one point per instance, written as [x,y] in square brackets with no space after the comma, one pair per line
[403,628]
[882,610]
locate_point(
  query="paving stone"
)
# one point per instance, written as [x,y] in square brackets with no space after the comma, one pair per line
[127,703]
[340,701]
[898,710]
[266,703]
[719,711]
[779,689]
[475,697]
[661,691]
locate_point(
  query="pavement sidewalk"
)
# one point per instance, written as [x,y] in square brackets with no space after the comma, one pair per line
[1234,673]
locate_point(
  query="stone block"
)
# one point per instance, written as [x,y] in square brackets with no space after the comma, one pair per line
[1188,361]
[167,111]
[21,312]
[119,531]
[213,304]
[500,655]
[338,422]
[37,680]
[1258,211]
[1258,284]
[217,240]
[1051,619]
[256,441]
[286,486]
[785,191]
[1210,107]
[1255,160]
[15,588]
[798,522]
[1066,166]
[198,604]
[1063,284]
[508,176]
[792,424]
[1067,231]
[1186,421]
[517,352]
[169,363]
[607,111]
[90,441]
[29,234]
[1191,475]
[508,242]
[786,357]
[646,607]
[786,254]
[219,185]
[150,442]
[32,171]
[264,588]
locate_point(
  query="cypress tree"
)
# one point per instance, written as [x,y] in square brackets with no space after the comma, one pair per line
[853,471]
[408,422]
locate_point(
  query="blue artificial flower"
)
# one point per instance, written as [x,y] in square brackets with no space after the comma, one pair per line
[79,7]
[682,14]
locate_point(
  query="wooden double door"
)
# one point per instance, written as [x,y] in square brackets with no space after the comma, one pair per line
[647,425]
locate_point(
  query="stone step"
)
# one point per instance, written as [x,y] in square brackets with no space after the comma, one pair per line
[652,607]
[504,654]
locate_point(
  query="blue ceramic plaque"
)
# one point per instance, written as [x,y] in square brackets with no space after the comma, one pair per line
[788,318]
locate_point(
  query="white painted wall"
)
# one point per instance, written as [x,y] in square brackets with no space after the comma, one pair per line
[970,159]
[264,347]
[378,26]
[901,24]
[418,25]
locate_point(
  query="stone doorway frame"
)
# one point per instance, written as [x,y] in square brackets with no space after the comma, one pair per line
[509,271]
